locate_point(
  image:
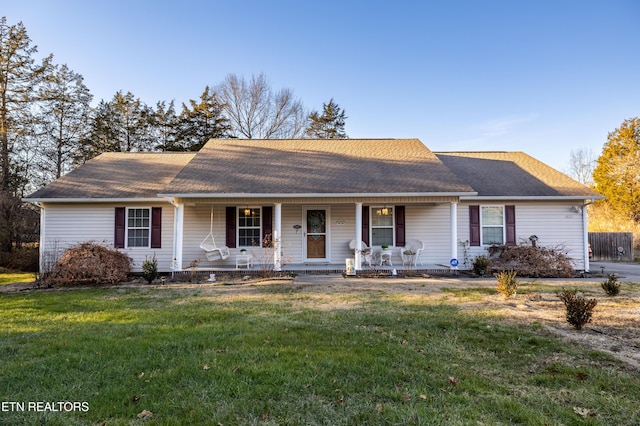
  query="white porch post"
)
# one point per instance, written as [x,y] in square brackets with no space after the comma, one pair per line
[43,241]
[277,243]
[454,231]
[585,230]
[358,255]
[178,232]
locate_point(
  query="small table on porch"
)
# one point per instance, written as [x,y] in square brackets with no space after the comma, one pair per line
[385,256]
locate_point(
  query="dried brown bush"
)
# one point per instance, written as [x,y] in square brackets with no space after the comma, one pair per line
[579,308]
[530,261]
[89,263]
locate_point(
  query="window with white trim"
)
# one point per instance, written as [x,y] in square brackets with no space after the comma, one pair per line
[139,227]
[249,227]
[492,225]
[382,226]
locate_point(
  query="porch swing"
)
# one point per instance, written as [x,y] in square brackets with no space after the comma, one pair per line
[209,246]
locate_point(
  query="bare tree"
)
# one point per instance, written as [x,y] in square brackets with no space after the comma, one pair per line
[255,111]
[581,165]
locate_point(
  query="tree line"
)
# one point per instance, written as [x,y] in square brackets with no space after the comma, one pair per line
[48,126]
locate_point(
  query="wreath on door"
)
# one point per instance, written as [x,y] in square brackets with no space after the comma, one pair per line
[316,221]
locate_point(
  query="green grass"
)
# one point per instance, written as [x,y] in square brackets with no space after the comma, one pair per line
[16,278]
[275,354]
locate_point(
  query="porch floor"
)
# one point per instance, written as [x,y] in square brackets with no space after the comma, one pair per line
[325,268]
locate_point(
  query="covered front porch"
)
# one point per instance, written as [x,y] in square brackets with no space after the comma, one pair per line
[311,235]
[204,273]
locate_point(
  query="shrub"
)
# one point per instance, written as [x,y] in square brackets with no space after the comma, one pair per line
[89,263]
[529,261]
[579,309]
[611,286]
[25,259]
[480,264]
[150,269]
[507,284]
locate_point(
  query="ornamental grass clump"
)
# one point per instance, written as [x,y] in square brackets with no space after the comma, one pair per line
[611,286]
[579,308]
[507,284]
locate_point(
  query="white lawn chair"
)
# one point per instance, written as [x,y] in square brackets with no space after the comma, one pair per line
[411,252]
[365,252]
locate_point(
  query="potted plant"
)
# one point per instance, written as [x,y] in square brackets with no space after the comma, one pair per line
[385,246]
[243,251]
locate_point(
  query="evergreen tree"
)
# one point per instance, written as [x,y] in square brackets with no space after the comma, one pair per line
[329,125]
[165,124]
[201,121]
[63,119]
[19,77]
[125,124]
[617,173]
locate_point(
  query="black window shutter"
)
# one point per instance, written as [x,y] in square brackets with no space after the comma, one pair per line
[400,232]
[156,227]
[365,225]
[267,227]
[231,227]
[119,231]
[474,225]
[510,222]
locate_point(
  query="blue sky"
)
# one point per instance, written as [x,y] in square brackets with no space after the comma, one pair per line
[544,77]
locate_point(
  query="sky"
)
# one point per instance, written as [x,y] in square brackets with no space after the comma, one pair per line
[543,76]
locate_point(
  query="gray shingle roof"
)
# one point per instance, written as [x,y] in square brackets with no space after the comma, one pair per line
[117,175]
[308,166]
[512,174]
[291,167]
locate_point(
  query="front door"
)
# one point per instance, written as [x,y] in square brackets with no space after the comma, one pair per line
[316,226]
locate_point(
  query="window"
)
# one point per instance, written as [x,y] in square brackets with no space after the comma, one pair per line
[249,229]
[382,229]
[138,227]
[492,223]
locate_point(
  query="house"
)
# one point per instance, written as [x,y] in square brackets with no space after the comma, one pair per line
[313,197]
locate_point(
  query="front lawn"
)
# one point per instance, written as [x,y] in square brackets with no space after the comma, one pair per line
[17,277]
[293,354]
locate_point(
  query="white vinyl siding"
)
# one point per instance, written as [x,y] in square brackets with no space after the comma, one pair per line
[67,225]
[555,225]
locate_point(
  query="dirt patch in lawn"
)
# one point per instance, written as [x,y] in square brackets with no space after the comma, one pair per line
[615,327]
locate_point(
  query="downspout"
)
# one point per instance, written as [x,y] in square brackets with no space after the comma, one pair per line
[453,219]
[277,239]
[585,230]
[42,237]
